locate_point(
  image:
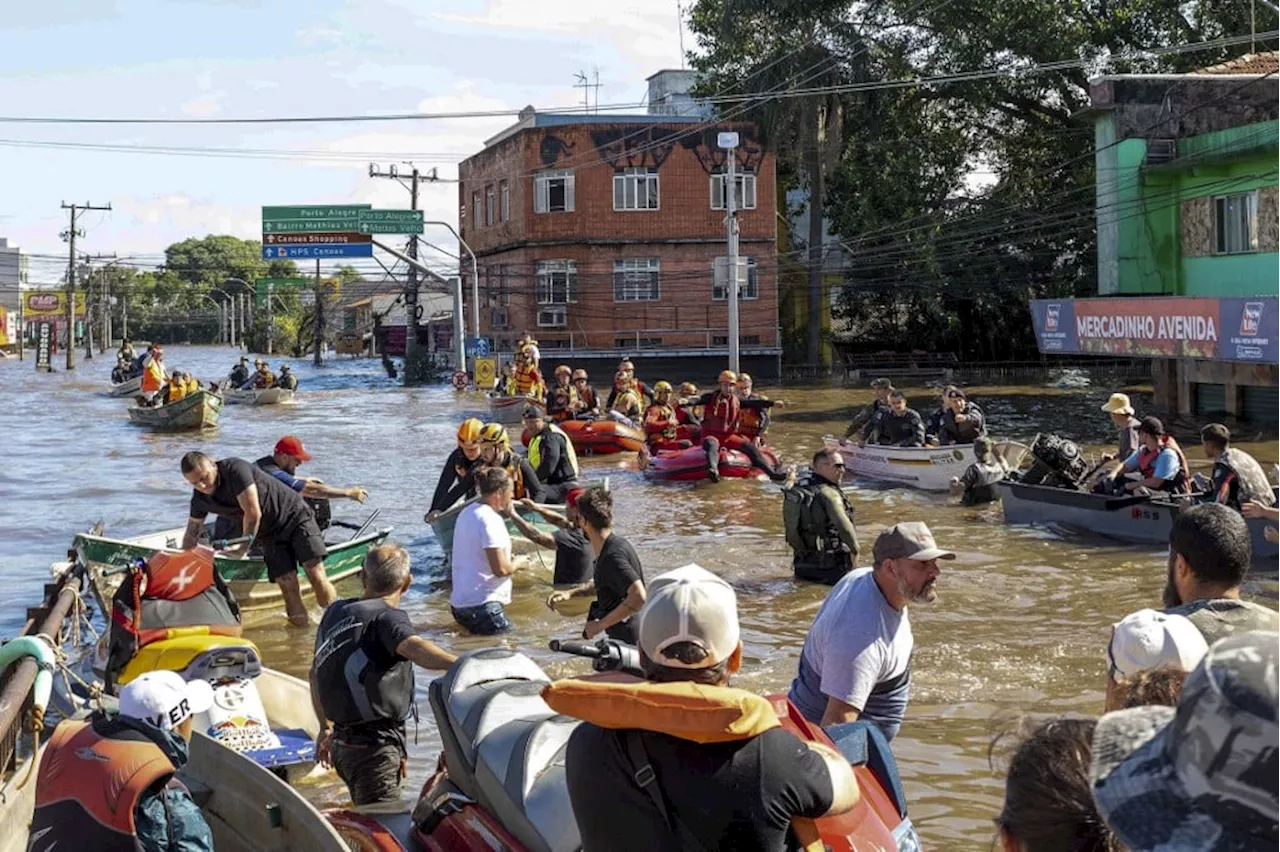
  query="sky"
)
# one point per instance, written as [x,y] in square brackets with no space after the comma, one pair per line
[271,58]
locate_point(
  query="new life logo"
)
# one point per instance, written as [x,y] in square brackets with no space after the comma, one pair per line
[1051,315]
[1251,319]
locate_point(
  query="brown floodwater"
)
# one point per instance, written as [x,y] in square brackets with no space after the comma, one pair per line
[1019,626]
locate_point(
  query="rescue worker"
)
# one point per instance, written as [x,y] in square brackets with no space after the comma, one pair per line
[625,403]
[528,381]
[495,451]
[688,403]
[362,679]
[624,378]
[755,410]
[720,424]
[959,421]
[818,521]
[977,485]
[239,374]
[1237,476]
[899,427]
[878,406]
[154,374]
[1159,460]
[562,399]
[587,400]
[107,783]
[662,422]
[551,455]
[455,478]
[287,381]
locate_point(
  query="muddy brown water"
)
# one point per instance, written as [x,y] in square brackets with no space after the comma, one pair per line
[1019,627]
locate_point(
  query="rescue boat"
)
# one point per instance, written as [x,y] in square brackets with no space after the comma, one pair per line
[690,465]
[599,437]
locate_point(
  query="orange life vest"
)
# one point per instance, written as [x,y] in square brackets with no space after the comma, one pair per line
[515,471]
[529,382]
[722,415]
[153,376]
[660,420]
[89,785]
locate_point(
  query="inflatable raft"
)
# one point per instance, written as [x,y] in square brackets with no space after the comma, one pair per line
[690,465]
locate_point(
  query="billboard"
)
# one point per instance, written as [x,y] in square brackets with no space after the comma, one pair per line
[46,304]
[1160,327]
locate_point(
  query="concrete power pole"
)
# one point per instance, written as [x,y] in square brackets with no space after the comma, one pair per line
[319,335]
[414,369]
[70,236]
[729,141]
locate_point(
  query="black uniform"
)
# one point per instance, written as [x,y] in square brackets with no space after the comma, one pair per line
[943,426]
[889,429]
[455,480]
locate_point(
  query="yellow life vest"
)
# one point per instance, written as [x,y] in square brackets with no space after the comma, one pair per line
[193,386]
[535,449]
[177,390]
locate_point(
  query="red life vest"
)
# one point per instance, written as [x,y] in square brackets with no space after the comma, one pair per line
[660,420]
[89,785]
[1180,483]
[722,415]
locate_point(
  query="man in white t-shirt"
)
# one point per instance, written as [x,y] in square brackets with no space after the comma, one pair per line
[481,558]
[856,662]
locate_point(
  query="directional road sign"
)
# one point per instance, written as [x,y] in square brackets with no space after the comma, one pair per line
[317,252]
[333,238]
[312,220]
[390,221]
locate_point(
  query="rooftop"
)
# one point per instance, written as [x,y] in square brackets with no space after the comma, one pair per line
[530,119]
[1250,63]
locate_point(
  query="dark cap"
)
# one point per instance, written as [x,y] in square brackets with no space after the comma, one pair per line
[532,412]
[908,540]
[1151,426]
[882,383]
[1217,433]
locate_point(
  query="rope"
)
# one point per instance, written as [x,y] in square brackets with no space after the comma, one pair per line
[37,725]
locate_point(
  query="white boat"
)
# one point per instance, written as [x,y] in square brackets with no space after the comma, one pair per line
[926,468]
[509,410]
[129,387]
[263,396]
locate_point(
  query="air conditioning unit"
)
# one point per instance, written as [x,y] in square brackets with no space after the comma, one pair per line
[554,316]
[499,318]
[1161,151]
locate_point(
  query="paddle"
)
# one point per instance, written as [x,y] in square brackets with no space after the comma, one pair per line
[360,530]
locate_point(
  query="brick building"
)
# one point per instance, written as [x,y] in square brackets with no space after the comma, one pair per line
[605,235]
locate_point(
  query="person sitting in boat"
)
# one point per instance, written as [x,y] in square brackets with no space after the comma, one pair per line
[283,464]
[154,374]
[239,374]
[263,378]
[977,485]
[126,351]
[960,421]
[455,479]
[818,522]
[625,405]
[1237,476]
[528,381]
[193,384]
[588,402]
[495,451]
[362,679]
[562,399]
[700,791]
[755,410]
[507,379]
[878,406]
[687,405]
[624,378]
[109,781]
[120,373]
[176,389]
[287,381]
[551,455]
[720,427]
[662,422]
[1121,411]
[899,427]
[574,556]
[529,346]
[1159,460]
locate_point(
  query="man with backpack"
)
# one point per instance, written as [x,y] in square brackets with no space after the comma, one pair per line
[818,520]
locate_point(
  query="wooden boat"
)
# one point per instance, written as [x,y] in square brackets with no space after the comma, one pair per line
[926,468]
[263,396]
[247,807]
[509,410]
[200,410]
[129,387]
[247,578]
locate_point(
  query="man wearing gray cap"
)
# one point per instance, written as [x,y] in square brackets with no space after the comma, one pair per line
[856,661]
[877,407]
[1201,775]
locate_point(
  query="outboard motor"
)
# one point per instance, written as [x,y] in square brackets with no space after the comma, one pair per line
[320,508]
[1058,463]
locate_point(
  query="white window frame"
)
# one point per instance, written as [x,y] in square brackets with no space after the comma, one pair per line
[746,190]
[553,316]
[556,282]
[504,190]
[477,208]
[542,182]
[1235,223]
[748,285]
[490,205]
[635,189]
[637,279]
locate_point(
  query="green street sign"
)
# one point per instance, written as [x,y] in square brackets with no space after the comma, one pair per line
[317,219]
[390,221]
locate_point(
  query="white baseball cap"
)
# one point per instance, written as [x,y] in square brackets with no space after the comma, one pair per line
[1148,639]
[689,604]
[164,699]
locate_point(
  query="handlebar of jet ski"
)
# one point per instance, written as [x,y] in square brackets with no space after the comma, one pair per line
[606,655]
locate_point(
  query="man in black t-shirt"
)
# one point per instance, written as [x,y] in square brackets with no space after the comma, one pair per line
[271,514]
[574,556]
[736,796]
[362,679]
[617,580]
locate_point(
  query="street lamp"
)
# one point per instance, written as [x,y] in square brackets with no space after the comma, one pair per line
[231,315]
[222,315]
[729,142]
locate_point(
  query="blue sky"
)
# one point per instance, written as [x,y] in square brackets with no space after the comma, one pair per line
[257,58]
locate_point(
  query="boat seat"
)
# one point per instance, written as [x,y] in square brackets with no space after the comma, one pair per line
[206,656]
[520,770]
[482,691]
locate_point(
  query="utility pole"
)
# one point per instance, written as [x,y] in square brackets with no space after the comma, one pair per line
[729,141]
[70,235]
[413,371]
[103,309]
[315,358]
[271,318]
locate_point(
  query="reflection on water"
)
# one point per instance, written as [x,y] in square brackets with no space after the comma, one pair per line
[1019,626]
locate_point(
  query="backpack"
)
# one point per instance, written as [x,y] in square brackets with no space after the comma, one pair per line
[800,520]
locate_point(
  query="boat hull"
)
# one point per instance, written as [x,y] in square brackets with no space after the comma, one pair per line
[509,410]
[926,468]
[690,465]
[200,410]
[266,396]
[443,527]
[599,437]
[128,387]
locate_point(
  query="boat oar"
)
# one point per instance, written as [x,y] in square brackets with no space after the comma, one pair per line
[365,526]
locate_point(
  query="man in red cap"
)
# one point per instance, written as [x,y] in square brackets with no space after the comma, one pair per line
[283,464]
[574,557]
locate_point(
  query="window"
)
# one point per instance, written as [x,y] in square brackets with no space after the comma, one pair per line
[748,283]
[504,189]
[553,191]
[499,318]
[636,280]
[746,197]
[635,189]
[1235,223]
[743,340]
[556,282]
[476,210]
[637,343]
[553,316]
[490,201]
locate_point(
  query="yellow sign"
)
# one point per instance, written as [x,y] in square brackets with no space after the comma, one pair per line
[47,304]
[486,372]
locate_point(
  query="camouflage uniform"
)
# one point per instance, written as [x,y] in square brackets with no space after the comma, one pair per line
[1201,776]
[1238,478]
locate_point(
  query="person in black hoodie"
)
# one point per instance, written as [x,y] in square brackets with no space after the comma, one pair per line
[455,479]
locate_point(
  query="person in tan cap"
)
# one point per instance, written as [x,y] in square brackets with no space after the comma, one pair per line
[1121,411]
[856,661]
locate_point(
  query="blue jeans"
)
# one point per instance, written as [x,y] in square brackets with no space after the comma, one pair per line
[487,619]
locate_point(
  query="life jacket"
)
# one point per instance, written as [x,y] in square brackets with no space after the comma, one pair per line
[1180,484]
[689,711]
[352,691]
[722,415]
[558,401]
[511,464]
[627,404]
[529,382]
[753,421]
[193,386]
[177,390]
[568,468]
[263,379]
[588,398]
[660,420]
[805,524]
[153,375]
[89,785]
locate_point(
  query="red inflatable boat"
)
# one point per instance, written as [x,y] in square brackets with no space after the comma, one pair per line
[599,437]
[690,465]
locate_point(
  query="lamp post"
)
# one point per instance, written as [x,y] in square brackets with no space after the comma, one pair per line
[475,282]
[729,142]
[241,305]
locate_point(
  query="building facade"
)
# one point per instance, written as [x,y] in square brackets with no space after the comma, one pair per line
[13,274]
[605,236]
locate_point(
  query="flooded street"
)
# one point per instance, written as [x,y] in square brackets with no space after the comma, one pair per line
[1020,623]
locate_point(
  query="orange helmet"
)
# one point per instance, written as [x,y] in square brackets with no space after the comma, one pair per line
[469,431]
[728,376]
[744,379]
[579,374]
[688,389]
[563,369]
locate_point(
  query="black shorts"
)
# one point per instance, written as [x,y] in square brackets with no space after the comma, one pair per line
[371,770]
[303,544]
